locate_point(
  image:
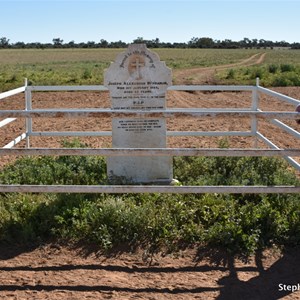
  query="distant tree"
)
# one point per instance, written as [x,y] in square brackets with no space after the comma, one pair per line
[226,43]
[254,43]
[91,44]
[20,45]
[193,42]
[57,42]
[81,45]
[48,45]
[206,42]
[71,44]
[35,45]
[155,43]
[40,46]
[168,45]
[139,40]
[180,45]
[103,43]
[118,44]
[4,42]
[295,46]
[282,44]
[245,43]
[262,43]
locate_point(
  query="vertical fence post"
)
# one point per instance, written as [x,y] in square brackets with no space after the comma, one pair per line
[28,121]
[254,107]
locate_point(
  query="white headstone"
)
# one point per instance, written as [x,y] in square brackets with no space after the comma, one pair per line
[138,80]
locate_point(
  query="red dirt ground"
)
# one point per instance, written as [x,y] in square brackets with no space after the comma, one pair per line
[61,272]
[58,272]
[174,99]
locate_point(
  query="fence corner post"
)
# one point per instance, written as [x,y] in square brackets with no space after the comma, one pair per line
[254,107]
[28,106]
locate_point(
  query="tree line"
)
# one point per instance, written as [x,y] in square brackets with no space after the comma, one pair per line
[195,42]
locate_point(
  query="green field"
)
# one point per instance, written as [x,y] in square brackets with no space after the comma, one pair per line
[86,66]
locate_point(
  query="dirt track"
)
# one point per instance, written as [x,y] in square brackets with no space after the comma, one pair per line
[205,75]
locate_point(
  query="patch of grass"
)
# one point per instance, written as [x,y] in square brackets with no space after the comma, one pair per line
[269,75]
[273,68]
[57,170]
[239,223]
[279,68]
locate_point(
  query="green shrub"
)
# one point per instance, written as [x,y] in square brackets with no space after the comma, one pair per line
[230,74]
[87,74]
[288,79]
[270,75]
[272,68]
[57,170]
[257,72]
[287,68]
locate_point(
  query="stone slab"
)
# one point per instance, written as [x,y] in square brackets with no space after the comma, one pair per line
[138,80]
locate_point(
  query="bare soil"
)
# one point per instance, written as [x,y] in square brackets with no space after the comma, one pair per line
[61,272]
[175,99]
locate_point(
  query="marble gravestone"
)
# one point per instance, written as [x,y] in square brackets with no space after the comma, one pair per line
[138,80]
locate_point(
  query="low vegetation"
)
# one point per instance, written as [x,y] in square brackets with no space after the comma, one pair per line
[87,66]
[239,223]
[270,75]
[280,68]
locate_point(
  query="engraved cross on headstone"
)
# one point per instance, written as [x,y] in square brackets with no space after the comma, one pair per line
[137,64]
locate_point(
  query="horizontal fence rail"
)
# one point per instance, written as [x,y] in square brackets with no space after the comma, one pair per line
[169,133]
[278,96]
[97,113]
[57,88]
[138,189]
[153,152]
[15,141]
[287,128]
[12,92]
[220,88]
[6,121]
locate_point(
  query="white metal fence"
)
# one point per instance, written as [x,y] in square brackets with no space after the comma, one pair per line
[253,112]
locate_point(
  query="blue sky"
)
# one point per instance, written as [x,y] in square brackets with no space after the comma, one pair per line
[170,21]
